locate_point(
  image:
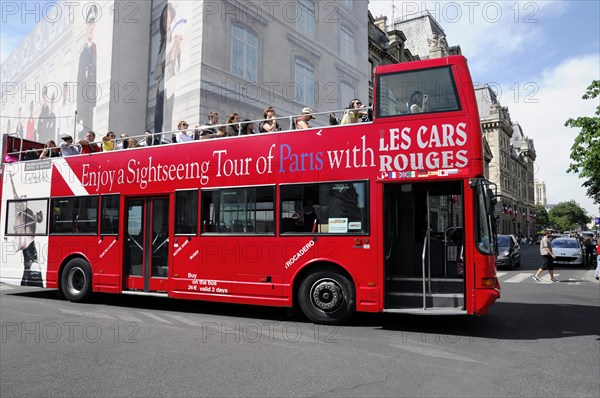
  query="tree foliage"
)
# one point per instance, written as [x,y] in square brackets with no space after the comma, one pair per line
[566,216]
[541,216]
[585,152]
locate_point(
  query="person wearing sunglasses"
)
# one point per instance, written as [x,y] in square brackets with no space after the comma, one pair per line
[109,142]
[354,113]
[182,135]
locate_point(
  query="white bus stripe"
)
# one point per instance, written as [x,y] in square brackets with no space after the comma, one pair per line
[69,177]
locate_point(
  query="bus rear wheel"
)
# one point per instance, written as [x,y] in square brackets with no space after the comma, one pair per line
[76,280]
[327,297]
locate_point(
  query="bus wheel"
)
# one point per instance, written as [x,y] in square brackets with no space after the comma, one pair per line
[327,297]
[76,280]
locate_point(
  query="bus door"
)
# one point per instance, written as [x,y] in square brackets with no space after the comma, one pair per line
[146,265]
[424,264]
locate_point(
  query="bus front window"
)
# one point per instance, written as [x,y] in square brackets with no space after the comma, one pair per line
[483,219]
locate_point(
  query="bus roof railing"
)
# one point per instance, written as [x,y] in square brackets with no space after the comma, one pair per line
[161,138]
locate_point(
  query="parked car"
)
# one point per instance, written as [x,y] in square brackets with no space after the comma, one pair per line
[568,251]
[509,251]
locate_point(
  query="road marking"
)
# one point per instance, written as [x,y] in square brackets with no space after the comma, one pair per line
[436,353]
[546,278]
[182,319]
[70,312]
[155,317]
[520,277]
[499,274]
[129,318]
[6,287]
[97,315]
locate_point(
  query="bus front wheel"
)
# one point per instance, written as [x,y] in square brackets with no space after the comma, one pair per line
[76,280]
[327,297]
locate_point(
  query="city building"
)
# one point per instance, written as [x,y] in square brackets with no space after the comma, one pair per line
[130,66]
[511,167]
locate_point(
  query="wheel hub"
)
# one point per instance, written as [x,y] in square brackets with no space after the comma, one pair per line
[326,294]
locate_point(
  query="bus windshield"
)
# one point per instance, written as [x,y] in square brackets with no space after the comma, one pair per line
[420,91]
[484,231]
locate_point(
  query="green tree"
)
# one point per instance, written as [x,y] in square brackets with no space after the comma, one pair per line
[585,152]
[566,216]
[541,217]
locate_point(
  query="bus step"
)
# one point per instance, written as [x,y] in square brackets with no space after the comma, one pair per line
[432,300]
[415,285]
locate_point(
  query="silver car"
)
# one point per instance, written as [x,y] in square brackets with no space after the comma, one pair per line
[568,251]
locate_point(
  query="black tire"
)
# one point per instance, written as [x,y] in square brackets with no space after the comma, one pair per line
[76,280]
[327,297]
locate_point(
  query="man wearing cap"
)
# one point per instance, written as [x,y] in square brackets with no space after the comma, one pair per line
[302,120]
[86,75]
[66,146]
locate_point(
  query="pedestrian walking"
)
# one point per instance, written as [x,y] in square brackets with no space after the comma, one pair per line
[547,258]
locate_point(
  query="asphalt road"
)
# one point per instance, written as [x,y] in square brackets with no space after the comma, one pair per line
[539,339]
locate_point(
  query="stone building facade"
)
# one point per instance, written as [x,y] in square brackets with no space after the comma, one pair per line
[511,167]
[214,55]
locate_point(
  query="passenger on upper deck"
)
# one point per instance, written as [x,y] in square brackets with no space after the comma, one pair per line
[302,121]
[108,142]
[213,119]
[88,145]
[233,129]
[354,113]
[418,103]
[247,127]
[182,135]
[270,124]
[67,148]
[50,150]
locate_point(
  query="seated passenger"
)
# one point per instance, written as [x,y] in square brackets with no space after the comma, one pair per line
[88,145]
[247,127]
[302,120]
[108,142]
[270,124]
[67,148]
[50,150]
[418,102]
[213,119]
[233,129]
[354,113]
[182,135]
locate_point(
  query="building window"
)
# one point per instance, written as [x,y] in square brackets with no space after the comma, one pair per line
[244,53]
[305,18]
[305,83]
[347,94]
[347,3]
[347,45]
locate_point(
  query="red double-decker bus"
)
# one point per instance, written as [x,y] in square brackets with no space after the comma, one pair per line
[390,215]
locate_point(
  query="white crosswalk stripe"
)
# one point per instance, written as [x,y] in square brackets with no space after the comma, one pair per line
[5,287]
[520,277]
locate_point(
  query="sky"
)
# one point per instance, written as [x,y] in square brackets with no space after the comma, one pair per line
[540,56]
